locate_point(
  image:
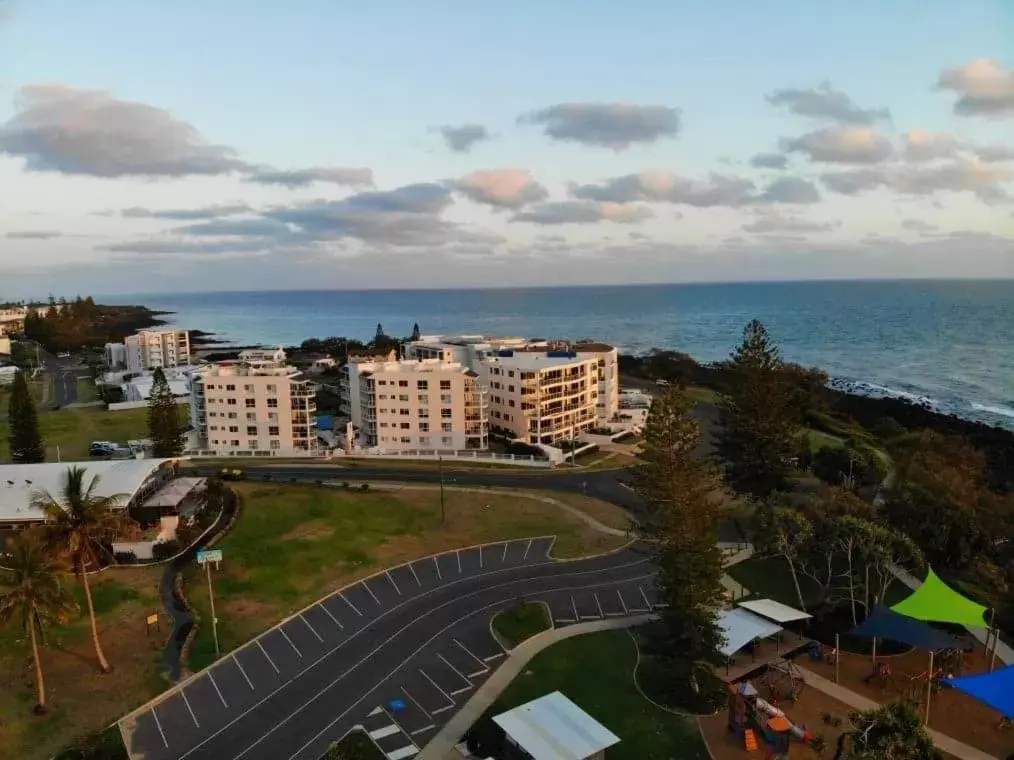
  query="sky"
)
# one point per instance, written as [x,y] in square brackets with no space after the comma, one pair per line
[200,146]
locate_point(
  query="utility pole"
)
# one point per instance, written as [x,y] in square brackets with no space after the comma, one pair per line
[440,469]
[206,557]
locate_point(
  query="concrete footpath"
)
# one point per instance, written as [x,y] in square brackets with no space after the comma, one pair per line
[441,745]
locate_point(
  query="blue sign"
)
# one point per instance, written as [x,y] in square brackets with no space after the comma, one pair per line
[397,705]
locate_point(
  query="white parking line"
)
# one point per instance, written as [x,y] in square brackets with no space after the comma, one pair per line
[485,668]
[380,733]
[435,562]
[238,665]
[417,581]
[437,687]
[266,655]
[328,613]
[319,637]
[494,657]
[598,604]
[375,711]
[217,690]
[505,545]
[573,606]
[393,583]
[158,725]
[404,752]
[527,549]
[644,597]
[480,556]
[423,730]
[370,591]
[622,603]
[183,693]
[458,555]
[458,672]
[414,702]
[350,604]
[294,647]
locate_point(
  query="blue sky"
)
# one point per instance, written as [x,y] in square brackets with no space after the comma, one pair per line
[113,106]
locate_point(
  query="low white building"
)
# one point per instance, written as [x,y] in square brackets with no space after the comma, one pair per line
[7,375]
[553,728]
[116,355]
[139,388]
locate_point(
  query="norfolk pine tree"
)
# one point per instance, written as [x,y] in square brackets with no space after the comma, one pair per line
[757,417]
[679,490]
[164,426]
[26,444]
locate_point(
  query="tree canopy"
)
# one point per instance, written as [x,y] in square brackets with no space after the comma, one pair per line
[164,426]
[26,444]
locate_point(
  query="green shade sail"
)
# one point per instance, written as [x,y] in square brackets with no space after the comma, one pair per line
[936,602]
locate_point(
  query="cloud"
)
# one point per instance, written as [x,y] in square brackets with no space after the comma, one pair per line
[296,178]
[583,212]
[995,153]
[774,222]
[161,247]
[790,190]
[666,187]
[607,125]
[843,145]
[501,188]
[921,145]
[75,131]
[462,138]
[918,225]
[237,228]
[983,86]
[824,102]
[769,161]
[33,235]
[966,175]
[184,214]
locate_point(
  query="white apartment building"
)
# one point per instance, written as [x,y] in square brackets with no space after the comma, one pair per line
[116,355]
[149,349]
[256,404]
[542,396]
[408,405]
[5,345]
[473,350]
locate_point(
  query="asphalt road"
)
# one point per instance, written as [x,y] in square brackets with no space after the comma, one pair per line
[64,373]
[396,653]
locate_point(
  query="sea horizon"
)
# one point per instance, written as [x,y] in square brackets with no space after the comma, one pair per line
[937,341]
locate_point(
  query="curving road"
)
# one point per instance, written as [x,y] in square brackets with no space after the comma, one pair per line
[396,653]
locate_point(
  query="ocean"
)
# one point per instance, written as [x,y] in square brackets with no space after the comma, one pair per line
[948,343]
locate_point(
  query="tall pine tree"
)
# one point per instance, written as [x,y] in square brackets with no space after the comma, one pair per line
[26,444]
[164,426]
[757,417]
[679,490]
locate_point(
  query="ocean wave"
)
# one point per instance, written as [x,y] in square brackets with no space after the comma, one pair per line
[1003,411]
[865,388]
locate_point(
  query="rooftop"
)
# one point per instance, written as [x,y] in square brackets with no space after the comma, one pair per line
[554,728]
[18,482]
[536,360]
[411,366]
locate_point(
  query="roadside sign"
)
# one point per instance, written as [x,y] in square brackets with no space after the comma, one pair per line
[209,555]
[153,619]
[397,705]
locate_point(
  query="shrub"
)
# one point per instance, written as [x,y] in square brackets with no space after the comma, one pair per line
[346,485]
[818,744]
[125,558]
[165,550]
[364,487]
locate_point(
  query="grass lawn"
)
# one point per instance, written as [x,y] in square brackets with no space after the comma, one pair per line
[355,746]
[74,429]
[596,671]
[521,622]
[86,391]
[80,699]
[293,544]
[820,440]
[703,395]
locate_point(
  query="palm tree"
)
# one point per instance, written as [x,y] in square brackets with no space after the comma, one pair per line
[83,524]
[32,577]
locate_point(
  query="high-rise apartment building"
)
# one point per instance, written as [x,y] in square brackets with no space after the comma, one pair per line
[149,349]
[406,405]
[255,404]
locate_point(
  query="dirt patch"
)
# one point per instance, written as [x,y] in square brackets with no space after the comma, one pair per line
[951,712]
[314,530]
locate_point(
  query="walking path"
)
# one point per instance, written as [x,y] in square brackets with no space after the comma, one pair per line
[441,745]
[859,702]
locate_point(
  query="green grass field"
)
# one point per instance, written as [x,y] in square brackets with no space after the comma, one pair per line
[86,391]
[72,430]
[595,671]
[521,622]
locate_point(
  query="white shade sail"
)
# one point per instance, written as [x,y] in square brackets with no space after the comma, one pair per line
[776,611]
[741,627]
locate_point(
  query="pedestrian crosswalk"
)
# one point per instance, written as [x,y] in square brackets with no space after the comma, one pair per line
[389,737]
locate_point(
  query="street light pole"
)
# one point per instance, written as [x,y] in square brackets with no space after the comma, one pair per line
[211,599]
[440,469]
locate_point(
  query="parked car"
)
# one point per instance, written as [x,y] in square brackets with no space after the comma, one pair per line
[64,355]
[102,449]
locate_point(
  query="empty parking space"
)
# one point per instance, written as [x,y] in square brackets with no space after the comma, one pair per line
[305,637]
[538,550]
[427,694]
[609,602]
[148,738]
[561,607]
[258,666]
[407,581]
[342,614]
[450,566]
[281,653]
[463,663]
[327,625]
[407,713]
[472,561]
[208,703]
[480,643]
[237,690]
[632,598]
[586,605]
[475,664]
[178,721]
[383,591]
[428,572]
[449,680]
[361,601]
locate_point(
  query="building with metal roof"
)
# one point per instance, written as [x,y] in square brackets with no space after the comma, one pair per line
[554,728]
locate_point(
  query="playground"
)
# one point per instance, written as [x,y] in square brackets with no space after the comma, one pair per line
[955,684]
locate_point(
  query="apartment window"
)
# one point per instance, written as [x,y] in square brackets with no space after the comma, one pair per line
[232,415]
[273,416]
[248,388]
[230,387]
[446,413]
[275,444]
[214,427]
[403,383]
[251,430]
[252,444]
[233,429]
[272,403]
[510,373]
[251,403]
[403,412]
[445,385]
[447,440]
[424,427]
[381,382]
[406,439]
[403,397]
[424,398]
[447,427]
[209,386]
[422,385]
[424,440]
[510,403]
[272,430]
[383,397]
[272,388]
[251,417]
[424,414]
[445,398]
[510,388]
[231,402]
[406,426]
[234,443]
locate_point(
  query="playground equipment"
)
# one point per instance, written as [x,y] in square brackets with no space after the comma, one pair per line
[750,716]
[783,681]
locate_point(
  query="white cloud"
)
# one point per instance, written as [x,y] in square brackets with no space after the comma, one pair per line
[983,86]
[842,145]
[501,188]
[607,125]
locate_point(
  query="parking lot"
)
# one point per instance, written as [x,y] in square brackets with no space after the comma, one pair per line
[256,687]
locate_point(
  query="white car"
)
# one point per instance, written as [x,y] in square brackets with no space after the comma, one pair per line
[64,355]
